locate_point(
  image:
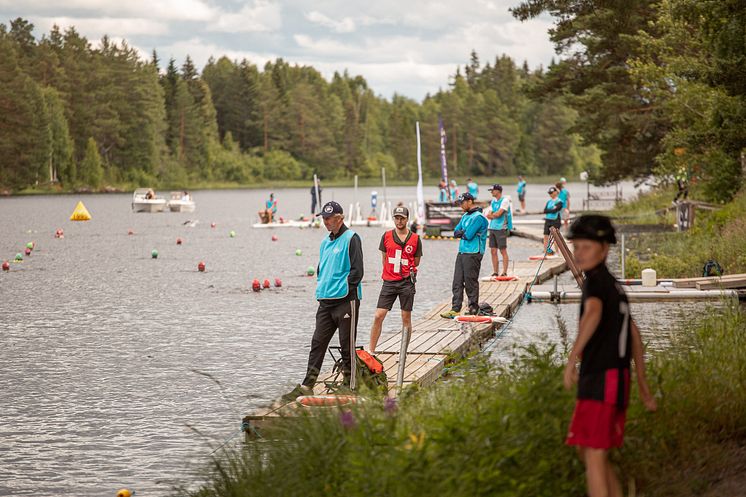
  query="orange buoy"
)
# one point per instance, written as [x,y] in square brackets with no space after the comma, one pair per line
[265,284]
[6,266]
[278,282]
[201,267]
[255,285]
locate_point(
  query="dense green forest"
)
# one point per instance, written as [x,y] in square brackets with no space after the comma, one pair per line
[640,87]
[90,117]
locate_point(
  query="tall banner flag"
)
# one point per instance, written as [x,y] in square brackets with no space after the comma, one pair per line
[443,163]
[420,193]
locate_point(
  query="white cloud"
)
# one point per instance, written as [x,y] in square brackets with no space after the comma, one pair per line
[200,51]
[344,25]
[179,10]
[261,16]
[95,28]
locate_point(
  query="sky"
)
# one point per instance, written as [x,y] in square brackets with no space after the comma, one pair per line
[409,47]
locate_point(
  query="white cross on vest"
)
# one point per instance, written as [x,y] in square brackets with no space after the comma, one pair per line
[397,261]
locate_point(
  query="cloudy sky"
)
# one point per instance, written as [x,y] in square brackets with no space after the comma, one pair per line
[408,47]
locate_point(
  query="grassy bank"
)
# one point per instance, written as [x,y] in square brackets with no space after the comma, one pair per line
[499,431]
[719,236]
[430,185]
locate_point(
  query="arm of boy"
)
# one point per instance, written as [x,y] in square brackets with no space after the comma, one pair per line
[586,328]
[638,354]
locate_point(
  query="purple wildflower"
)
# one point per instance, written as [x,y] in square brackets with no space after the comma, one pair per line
[390,406]
[347,419]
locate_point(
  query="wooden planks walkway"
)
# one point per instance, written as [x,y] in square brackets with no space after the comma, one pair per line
[434,341]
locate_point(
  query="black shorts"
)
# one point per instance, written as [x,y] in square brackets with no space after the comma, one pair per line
[521,198]
[498,239]
[548,223]
[390,290]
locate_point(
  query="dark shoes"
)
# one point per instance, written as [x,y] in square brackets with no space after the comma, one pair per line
[298,391]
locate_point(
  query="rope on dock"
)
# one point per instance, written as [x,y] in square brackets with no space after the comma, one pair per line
[524,298]
[244,427]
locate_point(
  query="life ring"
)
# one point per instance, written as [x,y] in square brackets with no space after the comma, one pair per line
[326,400]
[503,278]
[480,319]
[540,257]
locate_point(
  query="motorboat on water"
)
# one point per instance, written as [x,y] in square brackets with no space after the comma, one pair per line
[181,202]
[145,200]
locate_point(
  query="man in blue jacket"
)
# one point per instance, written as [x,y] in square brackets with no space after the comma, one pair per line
[338,291]
[472,230]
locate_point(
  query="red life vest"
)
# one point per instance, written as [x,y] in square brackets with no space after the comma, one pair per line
[399,258]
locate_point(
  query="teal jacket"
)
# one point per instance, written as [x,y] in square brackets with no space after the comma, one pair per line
[474,226]
[340,270]
[553,209]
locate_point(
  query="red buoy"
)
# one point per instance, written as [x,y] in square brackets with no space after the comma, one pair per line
[212,225]
[278,282]
[28,251]
[201,267]
[6,266]
[274,238]
[178,241]
[130,232]
[255,285]
[265,284]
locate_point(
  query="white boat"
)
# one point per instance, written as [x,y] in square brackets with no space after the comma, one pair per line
[181,202]
[145,200]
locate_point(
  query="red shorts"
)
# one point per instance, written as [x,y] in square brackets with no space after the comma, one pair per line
[599,424]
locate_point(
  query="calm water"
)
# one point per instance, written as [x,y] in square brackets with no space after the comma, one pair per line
[120,370]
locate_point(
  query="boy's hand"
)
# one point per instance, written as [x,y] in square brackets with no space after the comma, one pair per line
[570,377]
[647,398]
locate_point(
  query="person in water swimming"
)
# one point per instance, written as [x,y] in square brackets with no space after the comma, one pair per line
[608,338]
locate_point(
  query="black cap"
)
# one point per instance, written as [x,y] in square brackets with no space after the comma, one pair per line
[401,211]
[552,189]
[329,209]
[496,186]
[592,227]
[464,197]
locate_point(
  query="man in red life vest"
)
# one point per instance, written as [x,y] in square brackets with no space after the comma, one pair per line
[401,250]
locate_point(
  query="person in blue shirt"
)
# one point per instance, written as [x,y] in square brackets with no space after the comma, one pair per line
[270,209]
[339,279]
[473,188]
[454,190]
[442,191]
[522,193]
[552,216]
[564,196]
[499,215]
[472,232]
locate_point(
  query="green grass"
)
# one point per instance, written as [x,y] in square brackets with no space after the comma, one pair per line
[499,431]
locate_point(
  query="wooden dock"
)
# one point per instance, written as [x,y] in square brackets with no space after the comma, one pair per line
[435,341]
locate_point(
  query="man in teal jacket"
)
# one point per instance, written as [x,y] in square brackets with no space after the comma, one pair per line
[338,291]
[472,230]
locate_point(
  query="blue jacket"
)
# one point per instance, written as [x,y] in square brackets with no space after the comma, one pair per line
[474,226]
[340,267]
[500,223]
[563,194]
[553,209]
[522,188]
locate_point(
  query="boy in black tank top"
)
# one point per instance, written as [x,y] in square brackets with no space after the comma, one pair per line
[607,340]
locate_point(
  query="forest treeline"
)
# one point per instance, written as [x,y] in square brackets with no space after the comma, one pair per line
[87,116]
[641,87]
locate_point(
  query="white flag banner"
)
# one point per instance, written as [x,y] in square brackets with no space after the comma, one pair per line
[420,192]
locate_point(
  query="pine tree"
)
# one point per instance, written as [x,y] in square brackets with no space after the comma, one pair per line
[91,172]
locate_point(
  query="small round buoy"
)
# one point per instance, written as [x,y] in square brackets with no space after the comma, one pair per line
[201,267]
[125,492]
[265,284]
[6,266]
[27,251]
[59,233]
[178,241]
[232,234]
[212,225]
[274,238]
[298,252]
[30,245]
[130,232]
[278,282]
[255,285]
[19,257]
[154,254]
[310,271]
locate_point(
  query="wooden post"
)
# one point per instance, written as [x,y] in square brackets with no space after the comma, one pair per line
[569,258]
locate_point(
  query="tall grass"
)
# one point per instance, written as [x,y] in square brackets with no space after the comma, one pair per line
[499,431]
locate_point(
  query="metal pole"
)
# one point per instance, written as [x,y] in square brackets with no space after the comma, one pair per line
[383,176]
[624,257]
[355,199]
[406,334]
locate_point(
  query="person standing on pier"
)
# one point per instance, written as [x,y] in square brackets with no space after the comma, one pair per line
[315,201]
[472,230]
[607,340]
[499,215]
[401,250]
[564,196]
[522,193]
[338,290]
[552,217]
[442,191]
[472,187]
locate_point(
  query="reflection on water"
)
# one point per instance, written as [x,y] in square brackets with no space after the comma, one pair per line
[121,370]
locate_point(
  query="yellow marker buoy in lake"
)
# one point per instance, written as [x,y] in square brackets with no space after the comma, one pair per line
[80,213]
[125,492]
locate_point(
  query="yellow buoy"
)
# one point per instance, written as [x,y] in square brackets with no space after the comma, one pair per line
[80,213]
[125,492]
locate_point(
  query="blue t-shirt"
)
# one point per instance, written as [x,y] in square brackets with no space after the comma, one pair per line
[551,204]
[563,194]
[521,188]
[500,223]
[473,189]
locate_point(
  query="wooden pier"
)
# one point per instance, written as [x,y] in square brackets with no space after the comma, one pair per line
[435,341]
